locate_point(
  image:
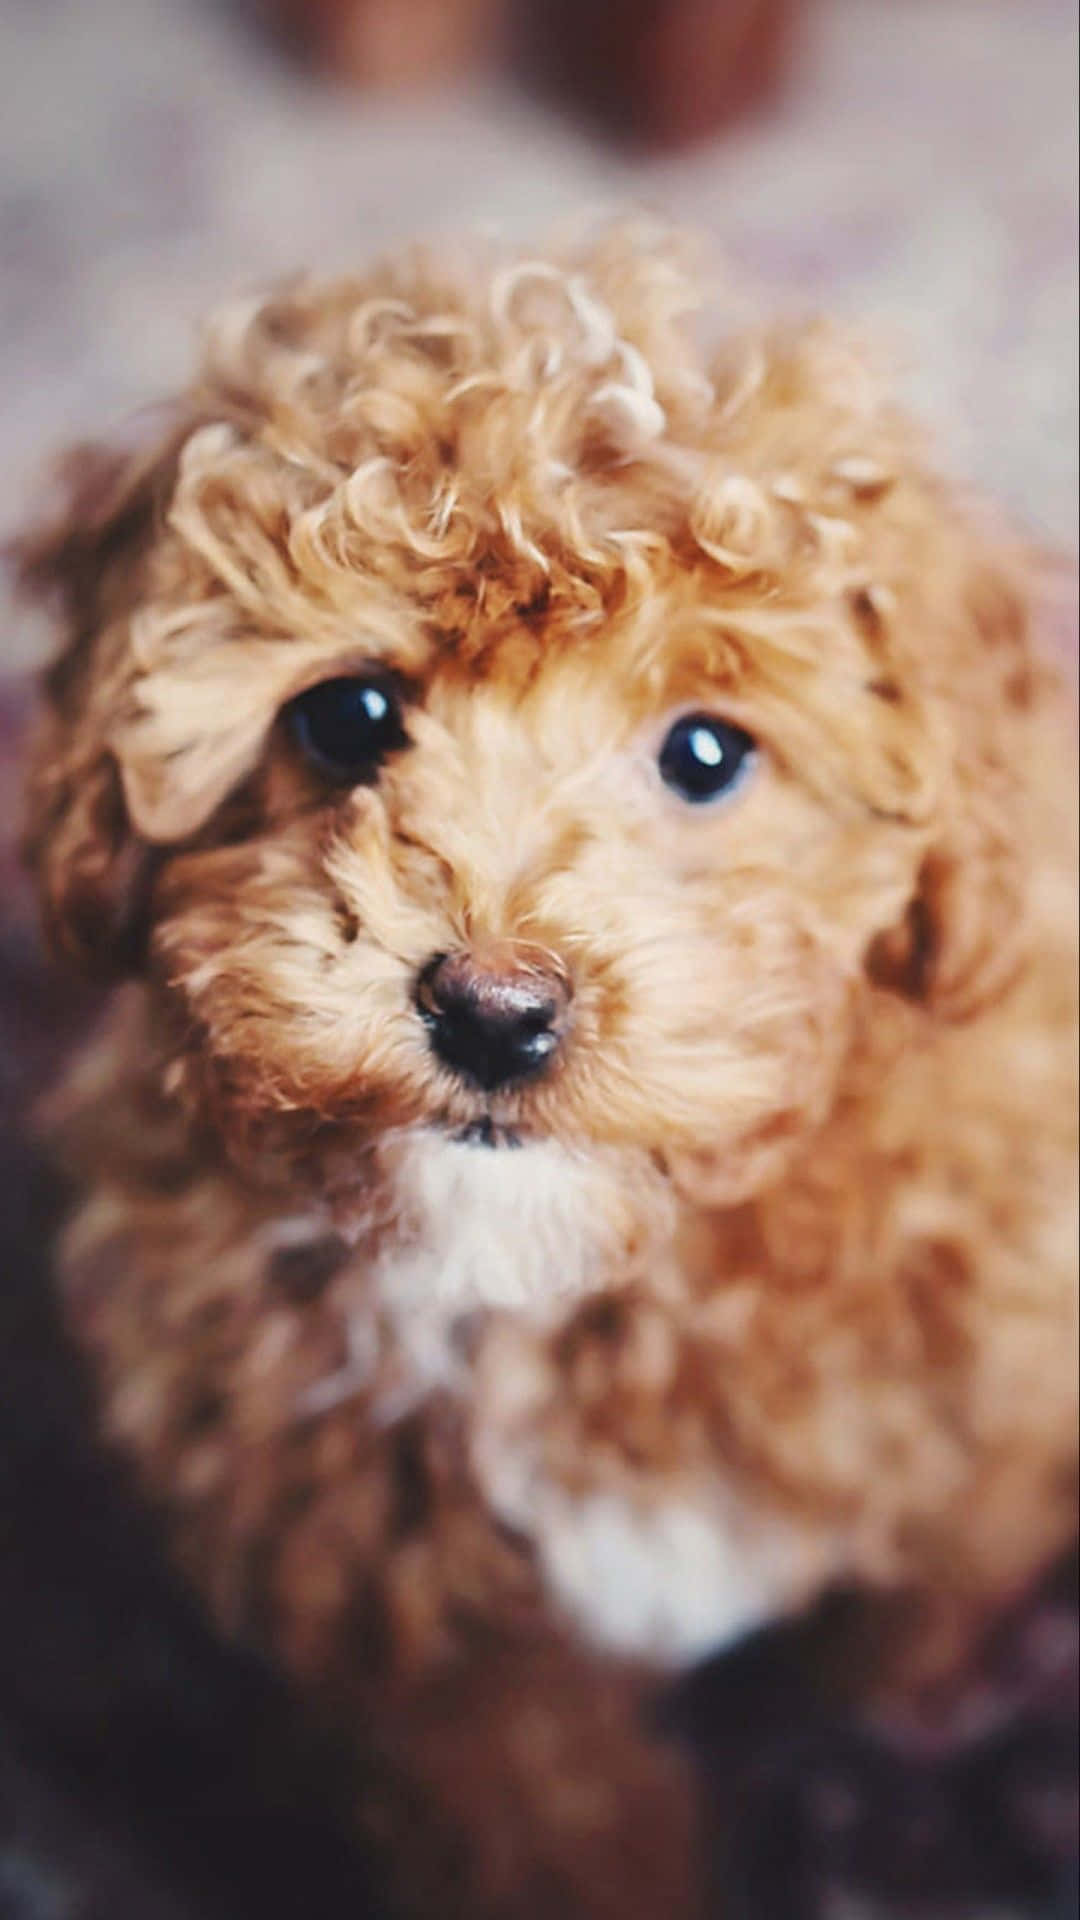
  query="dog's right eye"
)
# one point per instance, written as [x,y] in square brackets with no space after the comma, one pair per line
[347,727]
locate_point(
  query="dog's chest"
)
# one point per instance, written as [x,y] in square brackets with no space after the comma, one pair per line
[488,1255]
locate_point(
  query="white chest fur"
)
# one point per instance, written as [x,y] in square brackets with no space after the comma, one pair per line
[667,1569]
[527,1228]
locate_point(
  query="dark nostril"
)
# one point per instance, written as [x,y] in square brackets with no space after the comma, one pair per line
[493,1026]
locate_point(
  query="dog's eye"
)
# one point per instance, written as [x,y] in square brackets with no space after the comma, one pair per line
[347,727]
[703,756]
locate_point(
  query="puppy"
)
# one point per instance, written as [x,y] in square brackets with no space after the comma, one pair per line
[586,1145]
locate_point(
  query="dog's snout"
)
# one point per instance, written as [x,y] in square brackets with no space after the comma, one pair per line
[494,1022]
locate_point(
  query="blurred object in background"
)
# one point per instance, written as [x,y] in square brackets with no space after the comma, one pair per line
[652,71]
[660,72]
[393,44]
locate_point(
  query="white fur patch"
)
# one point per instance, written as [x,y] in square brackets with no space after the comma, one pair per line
[526,1229]
[649,1563]
[663,1572]
[672,1581]
[670,1576]
[518,1227]
[529,1229]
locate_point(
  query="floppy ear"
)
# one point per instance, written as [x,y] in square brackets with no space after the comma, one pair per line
[958,946]
[84,562]
[961,939]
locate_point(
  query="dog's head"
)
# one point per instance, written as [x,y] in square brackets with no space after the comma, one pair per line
[482,714]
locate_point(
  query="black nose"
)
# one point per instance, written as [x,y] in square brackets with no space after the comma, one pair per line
[493,1023]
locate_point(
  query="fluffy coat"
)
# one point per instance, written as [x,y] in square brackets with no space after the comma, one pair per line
[771,1283]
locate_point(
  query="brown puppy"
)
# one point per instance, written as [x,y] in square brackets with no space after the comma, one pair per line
[590,1138]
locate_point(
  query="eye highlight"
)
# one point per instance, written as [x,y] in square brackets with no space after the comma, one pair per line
[347,727]
[703,757]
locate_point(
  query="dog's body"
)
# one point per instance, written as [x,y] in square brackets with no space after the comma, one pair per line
[761,1273]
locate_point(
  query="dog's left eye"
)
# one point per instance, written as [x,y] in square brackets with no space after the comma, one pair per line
[347,727]
[703,757]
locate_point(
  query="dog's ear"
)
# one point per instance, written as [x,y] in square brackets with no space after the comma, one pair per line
[83,562]
[959,944]
[961,938]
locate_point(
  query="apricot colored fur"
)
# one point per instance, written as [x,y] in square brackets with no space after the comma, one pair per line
[780,1289]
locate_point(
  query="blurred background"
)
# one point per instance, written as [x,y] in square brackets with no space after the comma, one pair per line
[909,162]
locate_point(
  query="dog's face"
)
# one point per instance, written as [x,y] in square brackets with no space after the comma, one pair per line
[494,730]
[556,898]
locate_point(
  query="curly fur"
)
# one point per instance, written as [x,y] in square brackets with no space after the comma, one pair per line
[780,1287]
